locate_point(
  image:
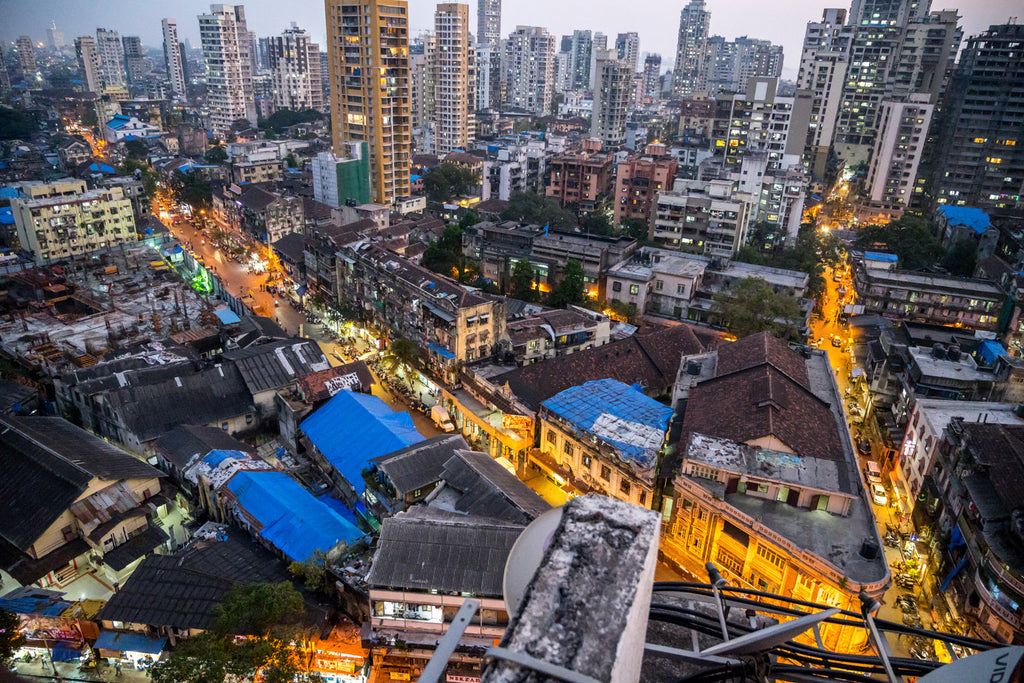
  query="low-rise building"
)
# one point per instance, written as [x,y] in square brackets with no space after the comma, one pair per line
[776,505]
[74,505]
[557,333]
[603,437]
[122,128]
[454,323]
[340,180]
[268,216]
[244,172]
[702,217]
[58,227]
[961,223]
[580,178]
[977,499]
[638,181]
[935,299]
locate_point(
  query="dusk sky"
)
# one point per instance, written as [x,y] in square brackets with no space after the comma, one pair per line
[656,20]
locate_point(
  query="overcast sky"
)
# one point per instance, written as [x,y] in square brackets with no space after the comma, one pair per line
[655,20]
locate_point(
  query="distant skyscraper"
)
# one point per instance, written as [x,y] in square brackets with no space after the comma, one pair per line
[529,69]
[111,52]
[26,56]
[134,60]
[488,22]
[981,162]
[294,62]
[627,45]
[694,22]
[652,76]
[55,37]
[89,64]
[254,56]
[454,80]
[730,64]
[823,64]
[566,44]
[582,50]
[368,47]
[229,87]
[5,77]
[613,79]
[172,58]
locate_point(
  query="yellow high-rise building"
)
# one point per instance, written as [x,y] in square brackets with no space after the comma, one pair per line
[368,54]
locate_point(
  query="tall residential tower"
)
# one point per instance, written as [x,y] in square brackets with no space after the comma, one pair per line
[294,62]
[694,23]
[226,45]
[172,58]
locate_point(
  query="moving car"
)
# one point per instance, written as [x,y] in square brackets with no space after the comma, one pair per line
[878,495]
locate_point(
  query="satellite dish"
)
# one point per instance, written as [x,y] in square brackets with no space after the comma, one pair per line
[526,555]
[768,638]
[1005,665]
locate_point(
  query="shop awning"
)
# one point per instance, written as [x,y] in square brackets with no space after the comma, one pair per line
[441,351]
[64,651]
[129,642]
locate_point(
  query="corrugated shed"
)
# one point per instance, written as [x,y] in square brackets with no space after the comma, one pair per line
[353,428]
[293,520]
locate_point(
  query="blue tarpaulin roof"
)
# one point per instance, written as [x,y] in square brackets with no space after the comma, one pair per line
[441,351]
[881,256]
[9,193]
[616,413]
[214,458]
[227,316]
[293,520]
[6,215]
[352,428]
[975,219]
[119,121]
[129,642]
[990,351]
[45,607]
[64,652]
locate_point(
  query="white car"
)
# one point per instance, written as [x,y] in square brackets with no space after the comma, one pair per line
[878,495]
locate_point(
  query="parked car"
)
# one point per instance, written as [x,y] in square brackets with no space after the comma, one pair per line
[878,495]
[872,472]
[837,342]
[864,447]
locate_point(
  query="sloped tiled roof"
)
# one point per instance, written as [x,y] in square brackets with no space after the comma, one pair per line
[420,464]
[186,441]
[487,489]
[277,364]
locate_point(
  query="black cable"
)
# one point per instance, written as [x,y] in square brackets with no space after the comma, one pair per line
[831,675]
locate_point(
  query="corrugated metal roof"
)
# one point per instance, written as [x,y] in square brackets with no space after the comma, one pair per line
[421,464]
[352,428]
[276,364]
[426,549]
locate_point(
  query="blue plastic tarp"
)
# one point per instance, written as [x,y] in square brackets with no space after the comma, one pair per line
[441,351]
[975,219]
[990,351]
[881,256]
[214,458]
[353,428]
[227,316]
[616,413]
[293,520]
[65,652]
[129,642]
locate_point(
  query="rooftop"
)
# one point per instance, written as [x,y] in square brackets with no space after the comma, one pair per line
[420,464]
[426,549]
[290,518]
[277,364]
[973,218]
[962,370]
[476,484]
[618,414]
[905,279]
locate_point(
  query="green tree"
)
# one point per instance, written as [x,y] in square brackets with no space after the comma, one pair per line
[314,573]
[596,223]
[402,353]
[909,238]
[447,181]
[290,161]
[572,289]
[469,219]
[192,189]
[521,286]
[11,638]
[752,306]
[89,119]
[961,258]
[216,155]
[285,118]
[136,149]
[17,124]
[627,311]
[636,228]
[203,658]
[148,175]
[530,207]
[258,609]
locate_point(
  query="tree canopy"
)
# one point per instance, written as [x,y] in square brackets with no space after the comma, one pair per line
[268,612]
[148,175]
[136,149]
[522,285]
[909,238]
[530,207]
[447,181]
[10,637]
[283,118]
[961,258]
[572,289]
[752,306]
[17,124]
[810,253]
[216,155]
[192,189]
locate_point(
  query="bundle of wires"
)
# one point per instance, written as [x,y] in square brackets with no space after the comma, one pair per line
[790,661]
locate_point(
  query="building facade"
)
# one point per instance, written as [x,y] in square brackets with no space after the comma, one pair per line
[294,61]
[111,54]
[73,225]
[336,181]
[638,181]
[226,51]
[699,217]
[691,51]
[451,117]
[528,68]
[89,63]
[367,38]
[172,58]
[613,93]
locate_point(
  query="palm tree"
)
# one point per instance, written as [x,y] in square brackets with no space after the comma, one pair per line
[402,353]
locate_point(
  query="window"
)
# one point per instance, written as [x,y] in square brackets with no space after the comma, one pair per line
[586,460]
[634,289]
[606,473]
[616,286]
[642,500]
[659,285]
[567,448]
[770,556]
[624,487]
[551,436]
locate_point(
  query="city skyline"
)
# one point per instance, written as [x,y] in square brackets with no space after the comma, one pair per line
[656,22]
